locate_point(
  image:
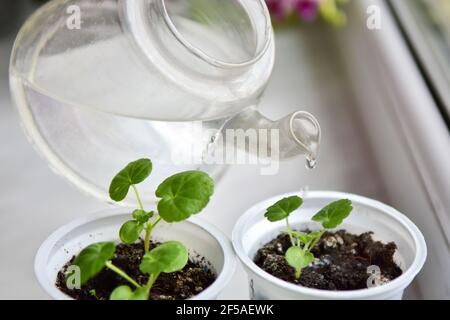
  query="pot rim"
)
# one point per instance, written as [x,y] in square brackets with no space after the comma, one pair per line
[395,285]
[40,261]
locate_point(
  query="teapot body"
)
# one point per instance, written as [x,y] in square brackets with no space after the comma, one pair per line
[101,83]
[159,60]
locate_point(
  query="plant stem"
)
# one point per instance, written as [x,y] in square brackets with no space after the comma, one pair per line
[316,240]
[290,232]
[151,282]
[298,273]
[137,197]
[148,232]
[121,273]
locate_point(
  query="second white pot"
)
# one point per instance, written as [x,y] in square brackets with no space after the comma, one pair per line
[200,237]
[252,231]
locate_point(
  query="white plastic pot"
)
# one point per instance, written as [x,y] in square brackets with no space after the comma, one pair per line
[200,237]
[252,231]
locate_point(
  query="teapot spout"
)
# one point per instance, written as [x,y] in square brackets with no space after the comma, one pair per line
[296,134]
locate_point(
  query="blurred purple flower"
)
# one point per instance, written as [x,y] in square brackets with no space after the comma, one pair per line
[279,8]
[307,9]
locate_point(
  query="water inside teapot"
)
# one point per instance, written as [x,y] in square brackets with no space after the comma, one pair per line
[138,78]
[150,68]
[87,145]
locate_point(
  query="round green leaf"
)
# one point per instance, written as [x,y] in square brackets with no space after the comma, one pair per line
[298,259]
[168,257]
[142,216]
[283,208]
[333,214]
[93,258]
[125,293]
[130,231]
[183,195]
[134,173]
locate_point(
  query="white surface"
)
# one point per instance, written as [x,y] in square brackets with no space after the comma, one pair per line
[73,237]
[410,140]
[253,230]
[308,75]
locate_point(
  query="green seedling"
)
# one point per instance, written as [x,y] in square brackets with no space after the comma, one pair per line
[299,255]
[93,293]
[168,257]
[180,196]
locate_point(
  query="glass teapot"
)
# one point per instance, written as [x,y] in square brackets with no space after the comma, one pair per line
[101,83]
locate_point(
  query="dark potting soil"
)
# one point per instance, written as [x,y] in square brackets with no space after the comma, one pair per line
[193,279]
[341,261]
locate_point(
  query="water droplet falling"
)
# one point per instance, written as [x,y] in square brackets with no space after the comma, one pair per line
[304,191]
[311,162]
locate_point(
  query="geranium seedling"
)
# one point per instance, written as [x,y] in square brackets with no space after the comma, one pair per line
[181,196]
[95,258]
[299,255]
[168,257]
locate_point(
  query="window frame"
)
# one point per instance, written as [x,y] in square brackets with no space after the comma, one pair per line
[427,49]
